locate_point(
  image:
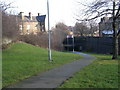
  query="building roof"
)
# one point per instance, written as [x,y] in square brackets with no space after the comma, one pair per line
[107,31]
[41,18]
[34,18]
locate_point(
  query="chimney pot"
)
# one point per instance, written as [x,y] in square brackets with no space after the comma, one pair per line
[38,14]
[21,15]
[30,15]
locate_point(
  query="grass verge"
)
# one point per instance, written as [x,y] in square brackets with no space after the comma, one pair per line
[23,60]
[102,73]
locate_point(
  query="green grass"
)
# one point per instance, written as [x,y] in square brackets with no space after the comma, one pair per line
[102,73]
[23,60]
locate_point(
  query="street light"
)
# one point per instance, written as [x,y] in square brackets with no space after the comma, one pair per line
[72,36]
[49,34]
[67,42]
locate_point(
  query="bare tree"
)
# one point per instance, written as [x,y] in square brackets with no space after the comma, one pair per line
[58,35]
[6,6]
[81,29]
[93,27]
[9,21]
[9,25]
[100,8]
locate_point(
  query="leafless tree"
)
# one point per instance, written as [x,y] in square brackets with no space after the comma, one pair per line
[9,21]
[59,33]
[81,29]
[9,24]
[93,27]
[4,6]
[100,8]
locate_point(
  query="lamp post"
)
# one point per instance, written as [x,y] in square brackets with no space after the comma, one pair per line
[73,38]
[67,43]
[49,34]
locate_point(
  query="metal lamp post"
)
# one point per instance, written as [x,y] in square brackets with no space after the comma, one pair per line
[73,38]
[73,43]
[67,42]
[49,34]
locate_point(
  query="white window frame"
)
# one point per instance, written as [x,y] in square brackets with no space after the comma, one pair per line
[28,27]
[20,27]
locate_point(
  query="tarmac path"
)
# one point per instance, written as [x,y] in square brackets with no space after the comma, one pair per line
[56,76]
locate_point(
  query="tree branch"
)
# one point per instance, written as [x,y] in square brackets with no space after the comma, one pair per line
[117,14]
[102,14]
[6,6]
[118,33]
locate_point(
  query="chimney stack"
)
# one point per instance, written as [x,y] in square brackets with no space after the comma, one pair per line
[38,14]
[30,15]
[21,15]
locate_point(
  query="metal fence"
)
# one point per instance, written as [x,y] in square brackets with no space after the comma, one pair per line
[102,45]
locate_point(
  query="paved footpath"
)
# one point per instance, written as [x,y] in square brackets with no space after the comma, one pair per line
[56,76]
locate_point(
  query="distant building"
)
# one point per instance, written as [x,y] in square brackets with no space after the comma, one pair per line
[30,24]
[105,26]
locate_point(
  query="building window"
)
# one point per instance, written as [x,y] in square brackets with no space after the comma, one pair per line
[43,28]
[35,27]
[20,27]
[28,27]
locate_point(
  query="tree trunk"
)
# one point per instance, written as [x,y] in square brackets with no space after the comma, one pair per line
[115,37]
[115,40]
[115,47]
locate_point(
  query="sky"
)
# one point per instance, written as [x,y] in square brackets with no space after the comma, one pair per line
[60,10]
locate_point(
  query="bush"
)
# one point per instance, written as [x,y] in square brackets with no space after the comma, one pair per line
[40,39]
[58,35]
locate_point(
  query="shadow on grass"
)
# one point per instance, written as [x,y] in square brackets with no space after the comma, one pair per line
[98,55]
[102,56]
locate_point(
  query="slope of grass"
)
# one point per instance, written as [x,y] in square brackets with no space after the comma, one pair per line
[23,60]
[102,73]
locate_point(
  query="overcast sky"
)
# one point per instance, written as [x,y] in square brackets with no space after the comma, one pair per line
[60,10]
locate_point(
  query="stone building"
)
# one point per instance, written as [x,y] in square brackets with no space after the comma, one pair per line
[105,26]
[30,25]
